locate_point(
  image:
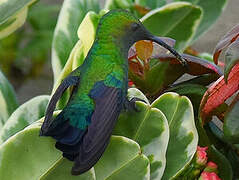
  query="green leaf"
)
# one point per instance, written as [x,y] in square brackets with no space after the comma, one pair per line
[231,122]
[13,23]
[183,137]
[194,92]
[149,128]
[65,35]
[134,92]
[13,14]
[28,156]
[26,114]
[152,4]
[231,58]
[9,8]
[122,160]
[38,47]
[118,4]
[224,166]
[8,101]
[206,56]
[176,20]
[61,171]
[233,158]
[20,158]
[211,11]
[44,11]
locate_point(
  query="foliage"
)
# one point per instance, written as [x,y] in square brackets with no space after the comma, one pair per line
[161,140]
[34,39]
[225,87]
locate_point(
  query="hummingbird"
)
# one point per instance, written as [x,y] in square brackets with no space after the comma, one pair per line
[83,128]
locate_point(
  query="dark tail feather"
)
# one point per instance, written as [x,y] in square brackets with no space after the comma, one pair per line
[68,137]
[69,151]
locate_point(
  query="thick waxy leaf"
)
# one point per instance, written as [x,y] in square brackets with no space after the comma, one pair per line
[8,101]
[231,58]
[65,35]
[218,93]
[13,14]
[230,37]
[231,122]
[28,156]
[211,11]
[122,159]
[176,20]
[157,49]
[23,116]
[203,80]
[194,92]
[134,92]
[183,136]
[13,23]
[61,171]
[152,4]
[9,7]
[196,65]
[147,126]
[20,158]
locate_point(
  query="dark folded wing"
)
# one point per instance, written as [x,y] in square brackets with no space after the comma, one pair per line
[69,81]
[108,104]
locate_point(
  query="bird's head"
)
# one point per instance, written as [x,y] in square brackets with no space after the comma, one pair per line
[125,29]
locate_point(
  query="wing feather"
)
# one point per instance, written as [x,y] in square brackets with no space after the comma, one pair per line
[108,105]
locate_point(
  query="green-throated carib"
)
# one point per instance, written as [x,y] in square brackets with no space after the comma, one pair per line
[84,126]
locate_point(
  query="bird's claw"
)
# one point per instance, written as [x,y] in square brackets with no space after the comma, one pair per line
[131,104]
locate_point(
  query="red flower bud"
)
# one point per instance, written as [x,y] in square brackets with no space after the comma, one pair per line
[201,156]
[202,148]
[130,83]
[209,176]
[211,167]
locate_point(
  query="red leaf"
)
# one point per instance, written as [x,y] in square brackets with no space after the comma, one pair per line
[231,36]
[196,66]
[157,49]
[218,93]
[135,66]
[142,10]
[144,49]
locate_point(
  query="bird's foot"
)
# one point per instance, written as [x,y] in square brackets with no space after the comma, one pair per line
[131,104]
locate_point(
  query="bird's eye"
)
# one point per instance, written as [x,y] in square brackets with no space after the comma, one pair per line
[134,26]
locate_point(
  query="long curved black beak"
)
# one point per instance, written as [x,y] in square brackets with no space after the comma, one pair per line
[173,51]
